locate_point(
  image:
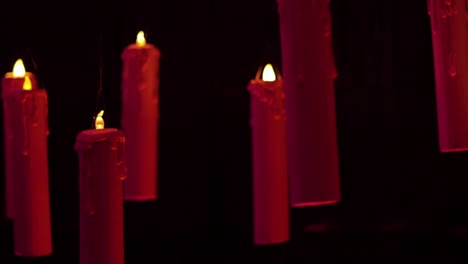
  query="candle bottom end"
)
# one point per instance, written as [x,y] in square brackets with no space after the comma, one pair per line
[140,198]
[311,204]
[264,243]
[33,255]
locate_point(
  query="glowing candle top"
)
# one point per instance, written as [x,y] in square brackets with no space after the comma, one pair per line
[268,74]
[27,85]
[18,79]
[99,122]
[140,39]
[18,69]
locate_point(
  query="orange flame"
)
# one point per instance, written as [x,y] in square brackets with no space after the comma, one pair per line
[99,122]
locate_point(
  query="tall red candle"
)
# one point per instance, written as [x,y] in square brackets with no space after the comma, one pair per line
[449,41]
[308,69]
[12,81]
[270,171]
[102,169]
[140,97]
[28,165]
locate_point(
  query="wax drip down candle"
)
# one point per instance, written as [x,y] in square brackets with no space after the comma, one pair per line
[102,170]
[269,158]
[309,72]
[12,81]
[449,22]
[26,126]
[140,114]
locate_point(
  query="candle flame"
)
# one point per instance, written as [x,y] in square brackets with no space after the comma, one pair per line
[140,40]
[99,122]
[18,69]
[268,74]
[27,85]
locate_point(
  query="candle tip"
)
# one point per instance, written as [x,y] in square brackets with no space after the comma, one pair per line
[27,85]
[140,40]
[18,69]
[99,122]
[268,74]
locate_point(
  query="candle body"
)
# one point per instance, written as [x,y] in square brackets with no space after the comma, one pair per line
[308,70]
[449,40]
[10,84]
[29,164]
[270,172]
[102,169]
[140,97]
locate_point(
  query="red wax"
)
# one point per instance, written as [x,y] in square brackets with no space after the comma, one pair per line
[9,84]
[29,165]
[102,169]
[140,97]
[308,71]
[270,171]
[449,40]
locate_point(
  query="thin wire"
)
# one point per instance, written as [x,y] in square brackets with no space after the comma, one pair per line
[39,76]
[100,92]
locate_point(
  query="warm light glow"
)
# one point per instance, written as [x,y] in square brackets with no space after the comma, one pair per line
[27,85]
[140,40]
[99,122]
[18,69]
[268,74]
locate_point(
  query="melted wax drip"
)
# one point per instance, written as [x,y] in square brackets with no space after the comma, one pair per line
[118,147]
[86,170]
[87,184]
[452,64]
[449,8]
[434,21]
[273,96]
[325,16]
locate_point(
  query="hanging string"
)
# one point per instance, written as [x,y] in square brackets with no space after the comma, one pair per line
[100,102]
[39,77]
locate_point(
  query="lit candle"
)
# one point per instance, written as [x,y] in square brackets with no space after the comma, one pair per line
[270,171]
[140,114]
[309,72]
[27,163]
[102,169]
[12,81]
[449,42]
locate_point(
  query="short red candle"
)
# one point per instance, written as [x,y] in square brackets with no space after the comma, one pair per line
[309,71]
[270,171]
[449,42]
[11,82]
[102,169]
[140,106]
[27,163]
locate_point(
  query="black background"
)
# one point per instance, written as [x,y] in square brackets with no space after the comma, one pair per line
[391,170]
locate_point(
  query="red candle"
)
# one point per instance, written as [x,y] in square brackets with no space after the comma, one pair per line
[270,171]
[12,81]
[449,42]
[309,71]
[140,100]
[102,169]
[27,162]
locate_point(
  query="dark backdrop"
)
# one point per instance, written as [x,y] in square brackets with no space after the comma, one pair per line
[387,129]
